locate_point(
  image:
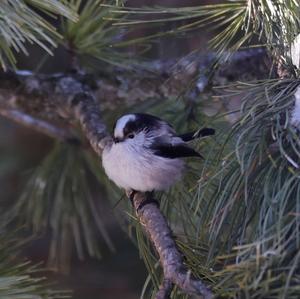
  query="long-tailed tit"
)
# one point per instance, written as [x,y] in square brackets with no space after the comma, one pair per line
[146,153]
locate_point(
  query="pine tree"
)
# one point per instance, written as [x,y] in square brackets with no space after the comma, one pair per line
[235,218]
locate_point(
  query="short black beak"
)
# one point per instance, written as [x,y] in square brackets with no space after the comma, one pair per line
[116,140]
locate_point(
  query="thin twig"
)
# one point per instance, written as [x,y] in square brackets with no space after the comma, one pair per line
[38,125]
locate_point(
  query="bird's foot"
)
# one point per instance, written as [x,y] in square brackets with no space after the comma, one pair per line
[148,200]
[130,194]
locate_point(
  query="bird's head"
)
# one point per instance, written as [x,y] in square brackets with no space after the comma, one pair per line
[137,127]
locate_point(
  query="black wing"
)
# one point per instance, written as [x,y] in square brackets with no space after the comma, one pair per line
[174,151]
[197,134]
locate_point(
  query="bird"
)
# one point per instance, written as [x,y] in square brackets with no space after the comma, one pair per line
[146,153]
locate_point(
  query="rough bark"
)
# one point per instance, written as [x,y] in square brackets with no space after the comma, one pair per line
[165,289]
[45,96]
[171,260]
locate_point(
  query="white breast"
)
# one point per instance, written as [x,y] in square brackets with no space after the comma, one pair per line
[135,167]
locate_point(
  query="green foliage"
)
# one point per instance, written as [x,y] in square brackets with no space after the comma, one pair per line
[228,17]
[85,29]
[246,207]
[256,196]
[18,277]
[21,23]
[239,229]
[58,199]
[95,38]
[93,34]
[236,23]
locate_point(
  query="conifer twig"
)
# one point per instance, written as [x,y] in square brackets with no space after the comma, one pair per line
[38,125]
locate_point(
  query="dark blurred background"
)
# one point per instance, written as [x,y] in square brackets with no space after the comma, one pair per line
[116,275]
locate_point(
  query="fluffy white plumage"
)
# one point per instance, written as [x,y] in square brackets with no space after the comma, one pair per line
[146,153]
[131,168]
[131,163]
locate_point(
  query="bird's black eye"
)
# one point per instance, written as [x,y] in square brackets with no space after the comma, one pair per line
[131,135]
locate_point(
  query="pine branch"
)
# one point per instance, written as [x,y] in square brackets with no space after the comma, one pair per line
[19,277]
[49,93]
[165,289]
[39,125]
[21,24]
[171,260]
[85,109]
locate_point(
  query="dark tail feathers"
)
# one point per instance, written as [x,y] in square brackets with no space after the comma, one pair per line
[197,134]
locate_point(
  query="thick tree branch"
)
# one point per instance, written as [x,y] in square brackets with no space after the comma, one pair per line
[165,289]
[48,94]
[62,99]
[85,109]
[171,260]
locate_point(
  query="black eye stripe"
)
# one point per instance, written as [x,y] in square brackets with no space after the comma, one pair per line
[141,123]
[131,127]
